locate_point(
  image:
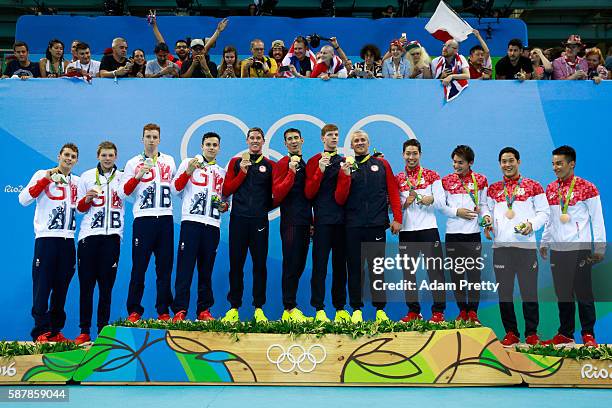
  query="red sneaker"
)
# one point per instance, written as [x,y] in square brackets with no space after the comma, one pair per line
[205,316]
[43,338]
[560,341]
[462,316]
[164,317]
[134,317]
[411,316]
[82,338]
[59,338]
[510,340]
[179,316]
[473,317]
[437,317]
[532,340]
[588,340]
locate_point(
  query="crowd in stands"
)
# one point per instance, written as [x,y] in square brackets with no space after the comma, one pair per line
[403,59]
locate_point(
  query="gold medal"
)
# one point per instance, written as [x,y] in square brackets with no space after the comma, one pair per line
[510,214]
[565,218]
[295,159]
[246,156]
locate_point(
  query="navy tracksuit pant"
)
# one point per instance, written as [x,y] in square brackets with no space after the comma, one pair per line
[52,270]
[356,258]
[198,244]
[326,239]
[98,259]
[465,246]
[248,234]
[295,241]
[152,236]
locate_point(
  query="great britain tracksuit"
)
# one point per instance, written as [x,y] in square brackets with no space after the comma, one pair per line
[570,245]
[329,232]
[201,194]
[366,195]
[54,260]
[249,226]
[153,228]
[296,219]
[99,242]
[419,233]
[463,236]
[515,254]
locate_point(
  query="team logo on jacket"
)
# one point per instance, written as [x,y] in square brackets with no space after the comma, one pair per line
[262,169]
[198,204]
[116,200]
[98,220]
[57,218]
[147,199]
[374,167]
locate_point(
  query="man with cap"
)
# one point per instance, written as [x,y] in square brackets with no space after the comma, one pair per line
[278,52]
[198,66]
[570,65]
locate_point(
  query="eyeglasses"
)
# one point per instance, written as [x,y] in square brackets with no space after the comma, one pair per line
[258,49]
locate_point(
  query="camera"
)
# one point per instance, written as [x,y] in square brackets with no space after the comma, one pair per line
[257,64]
[314,40]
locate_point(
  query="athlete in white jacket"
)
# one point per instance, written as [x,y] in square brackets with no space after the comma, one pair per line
[55,194]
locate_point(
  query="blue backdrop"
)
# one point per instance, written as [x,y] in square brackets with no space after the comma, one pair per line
[38,116]
[352,33]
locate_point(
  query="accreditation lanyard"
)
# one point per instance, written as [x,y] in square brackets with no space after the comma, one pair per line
[511,197]
[564,202]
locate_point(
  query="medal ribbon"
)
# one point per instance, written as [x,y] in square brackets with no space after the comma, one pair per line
[365,159]
[258,160]
[511,197]
[418,180]
[564,202]
[473,194]
[108,181]
[144,157]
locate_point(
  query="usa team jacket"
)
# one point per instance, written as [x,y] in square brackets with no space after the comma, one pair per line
[152,193]
[288,191]
[201,192]
[321,189]
[55,214]
[419,217]
[104,214]
[368,192]
[529,205]
[586,224]
[457,196]
[252,192]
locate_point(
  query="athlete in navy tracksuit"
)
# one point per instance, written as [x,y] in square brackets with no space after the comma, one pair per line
[148,176]
[289,179]
[55,193]
[249,180]
[329,232]
[366,187]
[99,237]
[199,183]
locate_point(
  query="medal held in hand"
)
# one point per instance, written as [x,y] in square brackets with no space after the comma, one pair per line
[59,178]
[413,187]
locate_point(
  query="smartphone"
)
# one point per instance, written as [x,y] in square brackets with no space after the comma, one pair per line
[284,68]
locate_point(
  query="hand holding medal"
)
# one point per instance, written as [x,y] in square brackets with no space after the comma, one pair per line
[426,200]
[245,162]
[294,163]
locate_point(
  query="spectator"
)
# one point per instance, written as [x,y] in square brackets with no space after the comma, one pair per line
[252,9]
[542,67]
[480,59]
[526,52]
[371,66]
[595,61]
[328,65]
[198,66]
[229,68]
[397,66]
[84,66]
[570,65]
[450,65]
[300,59]
[116,64]
[278,52]
[21,66]
[73,50]
[514,65]
[139,64]
[388,13]
[419,61]
[258,65]
[161,66]
[609,62]
[53,65]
